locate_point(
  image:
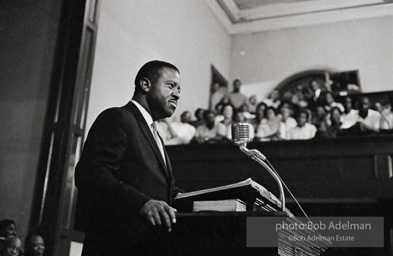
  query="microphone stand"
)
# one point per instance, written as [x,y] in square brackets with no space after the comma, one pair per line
[260,158]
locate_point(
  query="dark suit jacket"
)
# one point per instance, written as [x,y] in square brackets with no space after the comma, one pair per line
[120,169]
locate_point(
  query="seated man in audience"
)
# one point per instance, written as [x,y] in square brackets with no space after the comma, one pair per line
[199,118]
[369,119]
[252,104]
[334,129]
[236,98]
[210,132]
[350,115]
[182,132]
[303,130]
[273,99]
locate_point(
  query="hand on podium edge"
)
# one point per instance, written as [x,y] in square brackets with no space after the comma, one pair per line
[157,212]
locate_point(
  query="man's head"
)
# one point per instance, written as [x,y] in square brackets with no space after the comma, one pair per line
[157,88]
[348,104]
[236,85]
[209,118]
[364,106]
[185,117]
[34,245]
[7,228]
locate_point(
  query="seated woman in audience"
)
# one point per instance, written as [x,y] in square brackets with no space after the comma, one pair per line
[287,119]
[269,128]
[227,112]
[259,115]
[34,245]
[240,118]
[12,247]
[334,129]
[321,120]
[210,132]
[303,130]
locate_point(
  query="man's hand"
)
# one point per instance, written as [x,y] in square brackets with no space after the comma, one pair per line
[158,212]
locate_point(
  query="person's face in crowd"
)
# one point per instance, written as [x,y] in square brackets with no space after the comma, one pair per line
[287,96]
[270,113]
[260,112]
[185,117]
[227,112]
[302,119]
[348,104]
[286,113]
[329,98]
[314,85]
[336,115]
[253,100]
[163,95]
[13,247]
[199,114]
[364,105]
[321,111]
[11,230]
[236,85]
[210,121]
[37,245]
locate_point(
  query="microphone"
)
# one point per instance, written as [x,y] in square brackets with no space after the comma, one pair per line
[240,134]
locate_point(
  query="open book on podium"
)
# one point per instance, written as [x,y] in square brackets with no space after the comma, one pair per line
[255,196]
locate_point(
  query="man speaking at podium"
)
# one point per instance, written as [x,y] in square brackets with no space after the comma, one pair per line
[124,173]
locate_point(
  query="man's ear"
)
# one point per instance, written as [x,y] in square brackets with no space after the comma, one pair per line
[145,84]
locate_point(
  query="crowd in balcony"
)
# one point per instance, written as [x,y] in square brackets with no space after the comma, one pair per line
[305,112]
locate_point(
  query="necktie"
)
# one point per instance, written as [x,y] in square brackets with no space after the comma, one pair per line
[157,139]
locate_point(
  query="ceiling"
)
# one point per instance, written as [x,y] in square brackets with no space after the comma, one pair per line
[248,16]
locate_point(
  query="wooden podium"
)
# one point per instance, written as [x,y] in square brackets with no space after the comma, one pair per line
[213,233]
[225,233]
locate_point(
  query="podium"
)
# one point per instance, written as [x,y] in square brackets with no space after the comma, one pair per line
[225,233]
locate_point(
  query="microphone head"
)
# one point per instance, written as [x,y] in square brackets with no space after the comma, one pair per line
[240,133]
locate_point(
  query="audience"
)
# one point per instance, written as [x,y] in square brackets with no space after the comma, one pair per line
[327,118]
[236,98]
